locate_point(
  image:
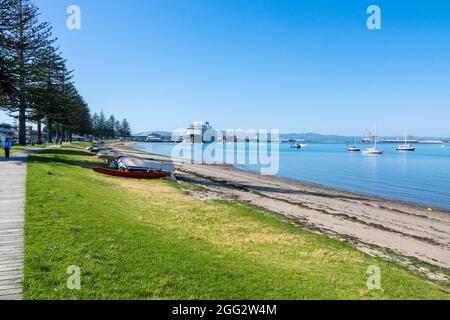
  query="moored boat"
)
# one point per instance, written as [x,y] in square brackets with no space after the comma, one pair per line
[354,148]
[406,146]
[374,150]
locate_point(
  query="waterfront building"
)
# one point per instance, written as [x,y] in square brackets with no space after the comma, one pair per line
[155,137]
[8,131]
[199,132]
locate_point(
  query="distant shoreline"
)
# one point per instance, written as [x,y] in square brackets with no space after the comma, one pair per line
[156,156]
[380,194]
[402,228]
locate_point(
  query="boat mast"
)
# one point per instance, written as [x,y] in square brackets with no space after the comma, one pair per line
[375,136]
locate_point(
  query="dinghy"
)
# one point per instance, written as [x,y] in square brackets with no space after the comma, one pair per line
[136,164]
[110,155]
[134,175]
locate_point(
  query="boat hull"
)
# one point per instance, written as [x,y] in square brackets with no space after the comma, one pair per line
[406,150]
[133,175]
[372,152]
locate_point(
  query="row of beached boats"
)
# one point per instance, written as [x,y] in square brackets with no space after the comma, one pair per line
[121,165]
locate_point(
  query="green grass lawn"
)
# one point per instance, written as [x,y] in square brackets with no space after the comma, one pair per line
[21,148]
[137,239]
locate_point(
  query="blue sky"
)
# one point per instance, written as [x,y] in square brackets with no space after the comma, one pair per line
[292,65]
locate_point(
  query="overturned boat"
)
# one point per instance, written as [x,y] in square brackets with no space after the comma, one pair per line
[96,149]
[120,165]
[134,174]
[110,155]
[142,165]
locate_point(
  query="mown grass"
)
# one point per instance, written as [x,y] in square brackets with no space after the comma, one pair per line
[21,148]
[148,240]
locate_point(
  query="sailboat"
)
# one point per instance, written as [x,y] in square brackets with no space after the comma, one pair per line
[354,148]
[374,150]
[406,146]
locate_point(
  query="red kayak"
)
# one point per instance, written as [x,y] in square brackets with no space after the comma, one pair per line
[135,175]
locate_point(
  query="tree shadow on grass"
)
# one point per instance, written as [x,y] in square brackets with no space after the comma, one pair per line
[67,152]
[55,159]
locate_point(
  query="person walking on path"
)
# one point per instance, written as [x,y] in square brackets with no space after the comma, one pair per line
[7,148]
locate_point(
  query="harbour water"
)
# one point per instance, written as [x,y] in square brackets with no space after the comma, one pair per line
[421,177]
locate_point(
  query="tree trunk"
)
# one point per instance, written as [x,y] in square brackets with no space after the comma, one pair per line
[39,132]
[49,131]
[21,69]
[56,133]
[22,126]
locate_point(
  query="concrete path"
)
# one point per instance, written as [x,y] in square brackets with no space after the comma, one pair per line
[12,205]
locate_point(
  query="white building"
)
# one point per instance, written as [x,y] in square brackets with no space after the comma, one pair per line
[199,132]
[7,131]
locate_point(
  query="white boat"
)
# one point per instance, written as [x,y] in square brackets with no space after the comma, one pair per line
[296,146]
[136,164]
[354,148]
[406,146]
[374,150]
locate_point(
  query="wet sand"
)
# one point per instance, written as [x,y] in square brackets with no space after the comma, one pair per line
[369,222]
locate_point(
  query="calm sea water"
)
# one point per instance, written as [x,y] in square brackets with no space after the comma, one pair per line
[421,177]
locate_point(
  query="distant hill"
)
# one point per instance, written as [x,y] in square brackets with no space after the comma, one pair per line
[147,133]
[312,137]
[316,137]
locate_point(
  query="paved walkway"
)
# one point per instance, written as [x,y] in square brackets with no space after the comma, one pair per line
[12,205]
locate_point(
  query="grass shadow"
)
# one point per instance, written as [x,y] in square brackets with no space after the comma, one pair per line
[67,152]
[79,163]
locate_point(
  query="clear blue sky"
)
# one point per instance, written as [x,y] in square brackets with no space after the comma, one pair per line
[293,65]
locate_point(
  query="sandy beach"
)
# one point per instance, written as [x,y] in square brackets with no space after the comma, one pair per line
[405,232]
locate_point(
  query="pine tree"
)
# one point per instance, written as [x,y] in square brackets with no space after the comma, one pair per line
[101,131]
[7,89]
[47,91]
[110,124]
[77,117]
[95,124]
[6,82]
[23,37]
[125,129]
